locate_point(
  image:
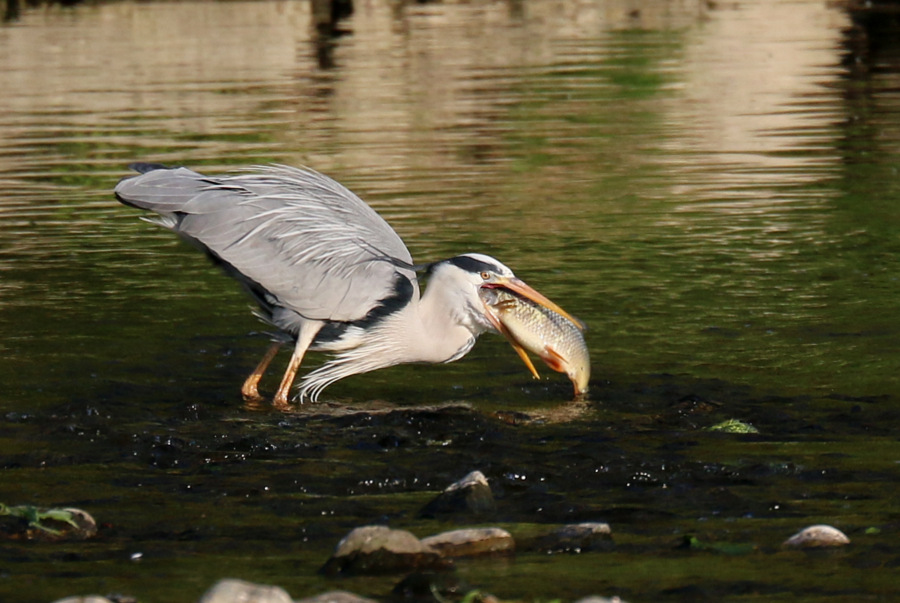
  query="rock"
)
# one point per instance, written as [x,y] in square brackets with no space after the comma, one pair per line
[472,494]
[85,525]
[817,536]
[378,550]
[336,596]
[230,590]
[420,587]
[693,543]
[38,523]
[85,599]
[471,542]
[576,538]
[733,426]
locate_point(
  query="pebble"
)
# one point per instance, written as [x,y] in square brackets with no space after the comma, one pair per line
[817,536]
[472,494]
[87,526]
[379,549]
[230,590]
[471,542]
[576,538]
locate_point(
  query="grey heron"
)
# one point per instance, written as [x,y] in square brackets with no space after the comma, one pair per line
[325,270]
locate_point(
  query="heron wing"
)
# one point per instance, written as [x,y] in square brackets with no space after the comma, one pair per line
[312,245]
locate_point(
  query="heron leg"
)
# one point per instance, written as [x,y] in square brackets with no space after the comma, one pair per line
[304,339]
[249,389]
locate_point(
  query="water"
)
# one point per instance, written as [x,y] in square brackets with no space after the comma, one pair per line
[712,188]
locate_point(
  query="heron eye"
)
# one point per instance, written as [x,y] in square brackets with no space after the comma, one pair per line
[486,275]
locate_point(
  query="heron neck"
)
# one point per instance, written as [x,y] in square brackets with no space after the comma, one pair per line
[440,326]
[447,324]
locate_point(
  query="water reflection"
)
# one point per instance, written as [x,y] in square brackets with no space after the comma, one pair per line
[668,167]
[750,151]
[755,93]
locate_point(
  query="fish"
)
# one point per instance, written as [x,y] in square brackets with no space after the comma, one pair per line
[555,338]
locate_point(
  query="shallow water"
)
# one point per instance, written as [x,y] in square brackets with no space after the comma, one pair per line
[711,187]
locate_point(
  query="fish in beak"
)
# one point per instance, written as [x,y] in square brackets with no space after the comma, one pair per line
[523,289]
[530,321]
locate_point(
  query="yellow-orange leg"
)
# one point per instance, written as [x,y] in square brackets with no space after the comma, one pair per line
[304,339]
[249,390]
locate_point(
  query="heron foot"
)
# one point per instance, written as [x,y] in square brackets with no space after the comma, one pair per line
[281,402]
[250,388]
[250,392]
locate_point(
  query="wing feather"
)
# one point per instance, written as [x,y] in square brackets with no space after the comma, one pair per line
[313,245]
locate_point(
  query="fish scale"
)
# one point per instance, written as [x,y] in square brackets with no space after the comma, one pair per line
[552,337]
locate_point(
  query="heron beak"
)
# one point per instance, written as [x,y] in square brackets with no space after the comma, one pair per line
[522,288]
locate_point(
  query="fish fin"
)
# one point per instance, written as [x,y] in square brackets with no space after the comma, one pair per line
[553,359]
[519,350]
[505,305]
[580,324]
[524,356]
[498,324]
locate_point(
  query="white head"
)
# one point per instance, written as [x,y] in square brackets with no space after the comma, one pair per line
[455,307]
[453,284]
[458,280]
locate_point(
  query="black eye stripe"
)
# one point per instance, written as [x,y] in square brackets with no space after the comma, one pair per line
[469,264]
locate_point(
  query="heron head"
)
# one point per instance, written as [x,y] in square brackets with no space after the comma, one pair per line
[472,272]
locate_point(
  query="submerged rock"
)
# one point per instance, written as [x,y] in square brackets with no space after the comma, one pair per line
[472,494]
[733,426]
[693,543]
[420,587]
[576,538]
[471,542]
[336,596]
[378,550]
[38,523]
[816,537]
[230,590]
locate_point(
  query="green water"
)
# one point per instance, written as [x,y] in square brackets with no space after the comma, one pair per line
[715,196]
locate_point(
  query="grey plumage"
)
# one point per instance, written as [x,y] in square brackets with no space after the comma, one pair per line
[324,267]
[296,234]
